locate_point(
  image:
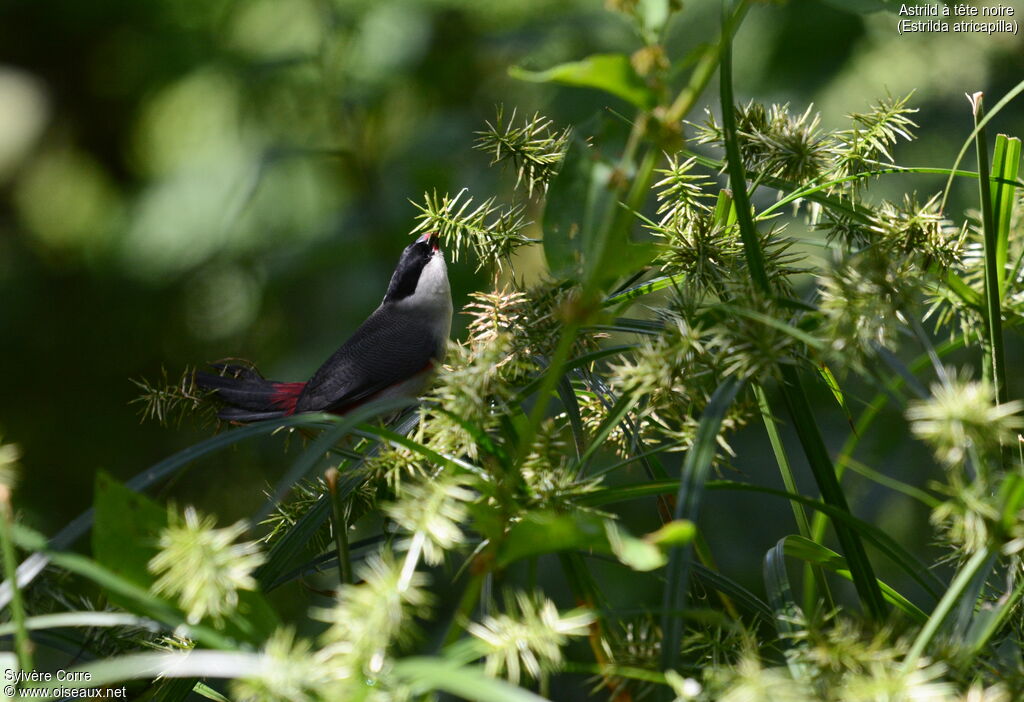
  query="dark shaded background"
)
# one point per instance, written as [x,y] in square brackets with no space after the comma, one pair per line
[183,180]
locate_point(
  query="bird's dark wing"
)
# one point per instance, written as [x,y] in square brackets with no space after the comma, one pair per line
[389,347]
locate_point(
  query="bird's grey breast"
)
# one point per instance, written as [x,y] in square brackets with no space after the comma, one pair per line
[431,303]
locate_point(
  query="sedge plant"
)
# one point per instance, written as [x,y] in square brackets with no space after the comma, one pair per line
[475,545]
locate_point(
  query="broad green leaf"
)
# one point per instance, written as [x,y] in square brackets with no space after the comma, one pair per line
[678,532]
[126,532]
[547,532]
[612,73]
[126,537]
[638,554]
[539,533]
[32,566]
[586,230]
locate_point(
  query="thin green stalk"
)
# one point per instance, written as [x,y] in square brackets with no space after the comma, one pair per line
[737,177]
[868,416]
[705,68]
[467,603]
[950,600]
[831,492]
[22,643]
[554,371]
[996,353]
[693,476]
[1006,100]
[915,493]
[814,577]
[799,407]
[340,527]
[703,550]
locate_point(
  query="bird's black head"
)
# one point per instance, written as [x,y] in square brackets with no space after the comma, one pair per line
[410,265]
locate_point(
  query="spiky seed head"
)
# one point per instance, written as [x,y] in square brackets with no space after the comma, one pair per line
[369,617]
[528,637]
[434,508]
[202,566]
[961,415]
[289,672]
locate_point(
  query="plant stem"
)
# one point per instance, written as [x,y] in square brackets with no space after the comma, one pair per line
[996,356]
[705,69]
[340,527]
[799,407]
[467,603]
[22,643]
[814,577]
[831,492]
[737,177]
[945,606]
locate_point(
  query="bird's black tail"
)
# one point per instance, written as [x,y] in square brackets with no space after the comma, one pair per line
[248,396]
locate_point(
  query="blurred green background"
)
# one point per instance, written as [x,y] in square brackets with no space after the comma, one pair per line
[184,180]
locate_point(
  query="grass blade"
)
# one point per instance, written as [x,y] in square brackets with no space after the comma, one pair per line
[964,577]
[32,566]
[814,553]
[877,537]
[1005,167]
[831,492]
[737,177]
[802,524]
[996,354]
[691,488]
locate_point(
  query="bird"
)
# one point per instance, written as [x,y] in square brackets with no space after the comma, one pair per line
[390,355]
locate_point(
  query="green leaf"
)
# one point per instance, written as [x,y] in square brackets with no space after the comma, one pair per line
[204,690]
[877,537]
[638,554]
[1006,166]
[549,532]
[32,566]
[642,289]
[139,598]
[678,532]
[837,392]
[539,533]
[125,538]
[810,552]
[832,493]
[60,620]
[586,228]
[126,531]
[696,466]
[612,73]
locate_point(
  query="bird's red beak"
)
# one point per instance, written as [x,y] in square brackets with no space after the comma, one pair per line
[429,238]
